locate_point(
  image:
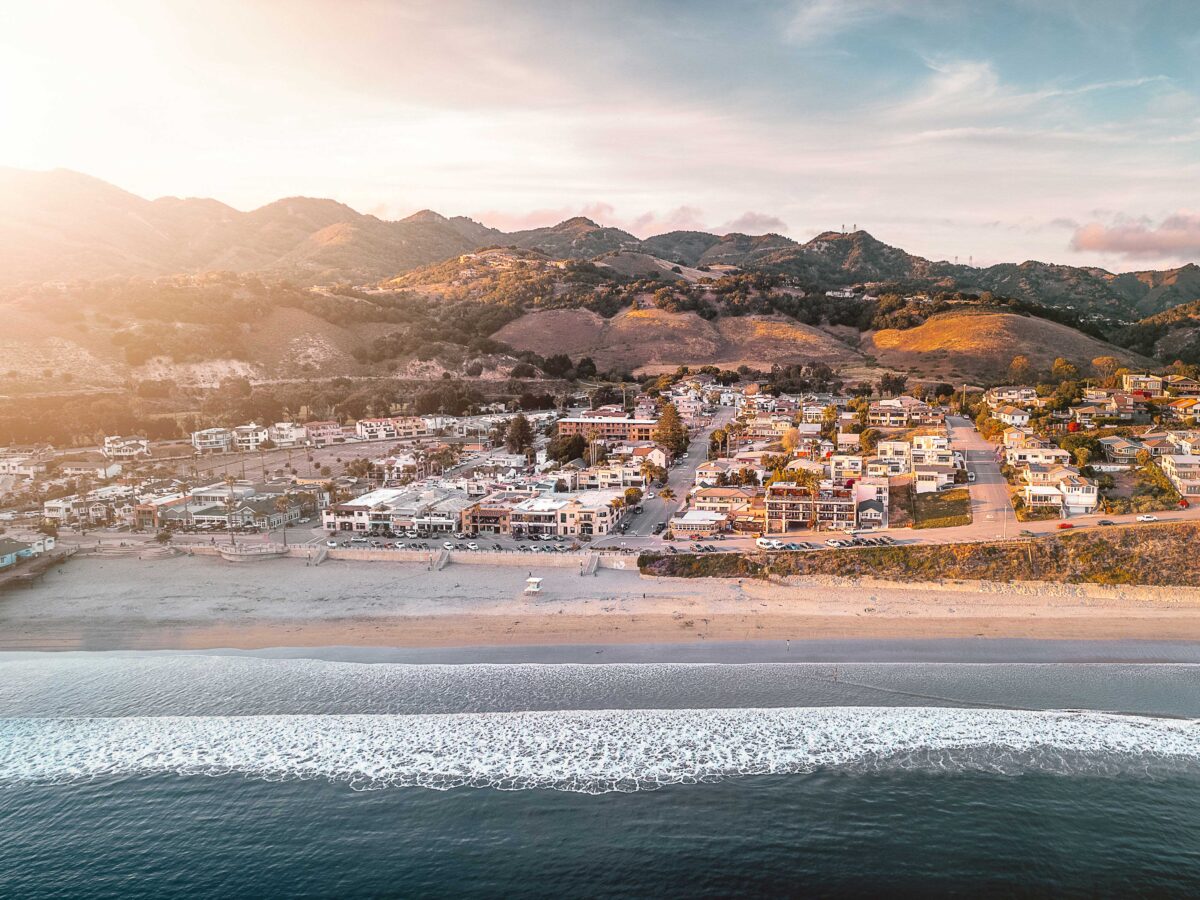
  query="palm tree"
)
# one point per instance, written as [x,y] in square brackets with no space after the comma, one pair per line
[282,505]
[667,493]
[229,483]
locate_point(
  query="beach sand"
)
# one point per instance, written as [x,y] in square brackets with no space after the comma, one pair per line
[122,603]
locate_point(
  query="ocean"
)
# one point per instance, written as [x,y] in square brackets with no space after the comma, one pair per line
[325,774]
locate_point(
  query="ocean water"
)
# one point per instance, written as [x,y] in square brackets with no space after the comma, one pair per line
[150,775]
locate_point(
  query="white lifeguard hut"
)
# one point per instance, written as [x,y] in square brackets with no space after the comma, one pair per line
[533,585]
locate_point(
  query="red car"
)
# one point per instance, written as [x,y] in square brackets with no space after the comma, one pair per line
[1065,525]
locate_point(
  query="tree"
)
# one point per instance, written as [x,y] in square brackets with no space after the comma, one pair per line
[667,493]
[1083,456]
[1020,370]
[564,448]
[1064,370]
[890,385]
[282,506]
[790,440]
[519,435]
[868,440]
[1105,367]
[633,496]
[670,430]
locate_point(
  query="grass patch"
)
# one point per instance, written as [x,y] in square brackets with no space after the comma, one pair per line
[1134,554]
[941,509]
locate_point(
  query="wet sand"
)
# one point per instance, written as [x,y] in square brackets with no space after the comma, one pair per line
[185,603]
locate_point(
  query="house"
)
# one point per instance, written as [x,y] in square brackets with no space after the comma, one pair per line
[843,467]
[117,447]
[371,510]
[11,551]
[322,434]
[248,438]
[930,478]
[1181,386]
[1141,383]
[212,440]
[1013,395]
[288,434]
[1032,450]
[1184,472]
[92,464]
[392,428]
[1012,415]
[932,449]
[1119,449]
[699,523]
[722,499]
[1060,488]
[871,496]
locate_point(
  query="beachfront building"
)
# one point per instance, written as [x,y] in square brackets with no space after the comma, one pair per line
[324,433]
[288,434]
[248,438]
[931,478]
[696,523]
[1183,470]
[212,440]
[363,513]
[390,428]
[791,506]
[1026,449]
[1060,488]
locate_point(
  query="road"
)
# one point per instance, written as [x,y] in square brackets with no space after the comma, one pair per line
[680,479]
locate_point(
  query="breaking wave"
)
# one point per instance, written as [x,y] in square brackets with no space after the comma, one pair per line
[591,751]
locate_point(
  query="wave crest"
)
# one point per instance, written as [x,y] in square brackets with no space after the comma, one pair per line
[588,751]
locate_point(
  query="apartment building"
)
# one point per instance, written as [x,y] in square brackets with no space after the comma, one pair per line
[608,428]
[390,428]
[791,507]
[324,433]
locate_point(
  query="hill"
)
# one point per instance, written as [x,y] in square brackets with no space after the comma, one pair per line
[654,340]
[61,226]
[977,346]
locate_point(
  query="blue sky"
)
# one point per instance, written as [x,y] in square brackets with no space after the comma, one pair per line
[1059,131]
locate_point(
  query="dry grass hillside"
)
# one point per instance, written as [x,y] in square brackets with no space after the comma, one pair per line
[973,346]
[649,340]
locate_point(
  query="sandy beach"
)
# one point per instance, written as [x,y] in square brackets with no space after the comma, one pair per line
[124,603]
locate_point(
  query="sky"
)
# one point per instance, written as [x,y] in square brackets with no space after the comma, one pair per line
[984,131]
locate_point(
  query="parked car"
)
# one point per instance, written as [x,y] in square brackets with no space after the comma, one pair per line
[1147,517]
[1106,522]
[970,476]
[1063,525]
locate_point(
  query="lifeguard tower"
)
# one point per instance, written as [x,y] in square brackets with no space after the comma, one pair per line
[533,585]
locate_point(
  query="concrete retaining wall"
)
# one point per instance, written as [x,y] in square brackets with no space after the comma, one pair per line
[514,558]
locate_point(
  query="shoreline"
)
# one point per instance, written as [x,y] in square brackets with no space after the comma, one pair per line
[198,603]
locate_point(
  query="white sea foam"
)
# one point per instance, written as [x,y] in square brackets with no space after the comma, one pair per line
[590,751]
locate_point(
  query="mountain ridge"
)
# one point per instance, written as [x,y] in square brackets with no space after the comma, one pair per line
[63,225]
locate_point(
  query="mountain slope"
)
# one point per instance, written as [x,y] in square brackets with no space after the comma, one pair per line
[979,346]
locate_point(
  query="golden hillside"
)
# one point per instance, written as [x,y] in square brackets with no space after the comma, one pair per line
[978,346]
[654,339]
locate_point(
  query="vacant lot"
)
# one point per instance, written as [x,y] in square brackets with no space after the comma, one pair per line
[942,509]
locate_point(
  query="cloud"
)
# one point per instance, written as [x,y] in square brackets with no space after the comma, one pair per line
[751,222]
[818,20]
[1176,236]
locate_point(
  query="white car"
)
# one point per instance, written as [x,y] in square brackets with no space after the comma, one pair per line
[768,544]
[472,546]
[1147,518]
[448,545]
[649,495]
